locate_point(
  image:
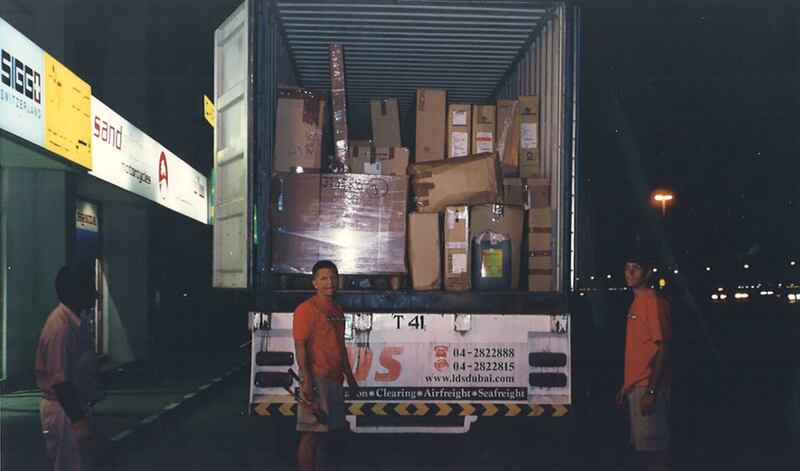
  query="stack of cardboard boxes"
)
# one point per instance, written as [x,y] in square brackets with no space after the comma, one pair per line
[476,168]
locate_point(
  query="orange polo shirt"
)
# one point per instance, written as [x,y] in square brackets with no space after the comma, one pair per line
[648,324]
[320,323]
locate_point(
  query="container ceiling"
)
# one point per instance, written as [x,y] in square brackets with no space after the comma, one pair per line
[394,48]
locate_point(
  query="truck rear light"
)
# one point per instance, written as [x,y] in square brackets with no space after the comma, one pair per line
[547,380]
[273,379]
[274,359]
[547,359]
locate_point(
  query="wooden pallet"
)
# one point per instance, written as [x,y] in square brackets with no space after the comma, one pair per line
[293,282]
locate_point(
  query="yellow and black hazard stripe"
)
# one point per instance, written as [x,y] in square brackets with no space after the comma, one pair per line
[426,409]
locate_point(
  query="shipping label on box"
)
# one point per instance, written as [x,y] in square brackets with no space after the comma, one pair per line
[483,128]
[385,123]
[425,251]
[466,180]
[298,130]
[529,152]
[508,137]
[456,248]
[503,219]
[431,125]
[458,129]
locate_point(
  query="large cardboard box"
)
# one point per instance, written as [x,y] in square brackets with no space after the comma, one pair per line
[385,123]
[456,248]
[503,219]
[298,130]
[466,180]
[431,123]
[459,124]
[515,192]
[508,137]
[360,155]
[357,221]
[389,161]
[483,128]
[339,102]
[425,251]
[530,164]
[540,249]
[538,192]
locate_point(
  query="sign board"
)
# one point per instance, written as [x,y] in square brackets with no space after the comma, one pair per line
[128,158]
[22,94]
[67,113]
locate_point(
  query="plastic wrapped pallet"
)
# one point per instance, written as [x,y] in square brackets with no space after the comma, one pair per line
[467,180]
[357,221]
[338,100]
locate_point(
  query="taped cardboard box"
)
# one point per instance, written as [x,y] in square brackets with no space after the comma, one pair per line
[540,250]
[357,221]
[425,251]
[515,192]
[467,180]
[360,155]
[508,137]
[431,124]
[339,103]
[483,128]
[459,124]
[385,123]
[529,153]
[298,130]
[503,219]
[539,191]
[389,161]
[456,248]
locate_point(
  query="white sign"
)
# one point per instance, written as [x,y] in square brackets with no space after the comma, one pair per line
[21,85]
[128,158]
[86,216]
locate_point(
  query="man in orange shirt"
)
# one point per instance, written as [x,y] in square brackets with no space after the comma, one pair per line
[647,379]
[322,360]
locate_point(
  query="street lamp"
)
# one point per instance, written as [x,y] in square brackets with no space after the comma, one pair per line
[663,197]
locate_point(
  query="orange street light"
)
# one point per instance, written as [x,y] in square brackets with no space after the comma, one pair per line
[663,197]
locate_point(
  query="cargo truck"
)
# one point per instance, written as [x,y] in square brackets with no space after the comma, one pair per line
[427,361]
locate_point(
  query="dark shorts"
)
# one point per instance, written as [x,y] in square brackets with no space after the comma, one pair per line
[330,397]
[649,432]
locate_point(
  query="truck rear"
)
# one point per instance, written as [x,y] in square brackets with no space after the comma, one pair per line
[431,361]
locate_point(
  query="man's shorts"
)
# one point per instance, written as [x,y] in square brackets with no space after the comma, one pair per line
[330,397]
[649,432]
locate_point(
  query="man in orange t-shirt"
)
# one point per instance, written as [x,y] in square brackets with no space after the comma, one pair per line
[647,380]
[322,359]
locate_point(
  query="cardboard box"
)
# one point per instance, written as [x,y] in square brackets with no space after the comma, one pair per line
[357,221]
[515,192]
[385,123]
[538,192]
[508,137]
[466,180]
[431,123]
[456,249]
[339,102]
[425,251]
[360,155]
[298,130]
[483,128]
[529,152]
[389,161]
[504,219]
[459,125]
[540,249]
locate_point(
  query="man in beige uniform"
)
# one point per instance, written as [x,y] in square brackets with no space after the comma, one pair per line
[67,373]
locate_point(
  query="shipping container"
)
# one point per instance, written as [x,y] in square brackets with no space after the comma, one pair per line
[427,361]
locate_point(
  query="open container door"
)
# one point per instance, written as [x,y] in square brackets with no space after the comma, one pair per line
[232,92]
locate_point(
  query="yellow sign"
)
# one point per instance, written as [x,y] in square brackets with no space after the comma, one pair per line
[67,113]
[208,110]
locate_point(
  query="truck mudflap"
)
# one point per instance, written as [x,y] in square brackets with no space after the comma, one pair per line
[430,373]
